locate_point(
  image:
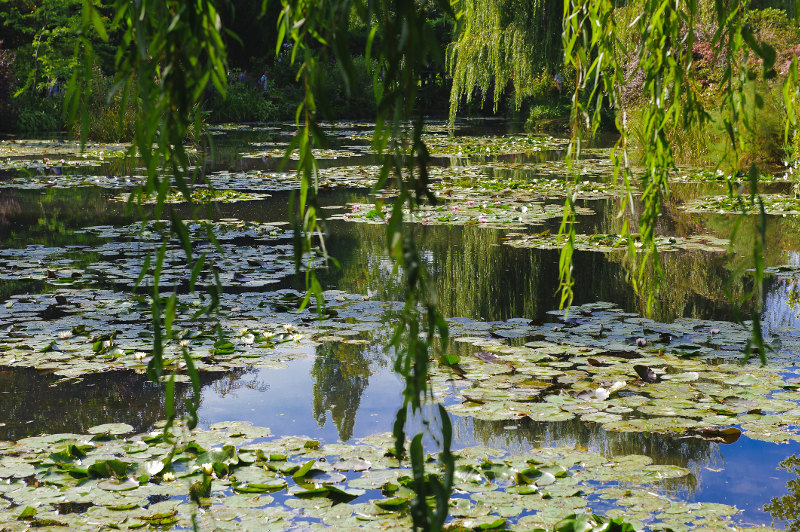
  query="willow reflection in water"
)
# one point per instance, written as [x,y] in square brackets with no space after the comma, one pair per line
[341,373]
[787,507]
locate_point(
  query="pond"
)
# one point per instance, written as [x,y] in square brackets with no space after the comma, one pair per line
[604,408]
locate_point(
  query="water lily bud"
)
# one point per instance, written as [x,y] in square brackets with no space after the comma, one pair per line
[641,342]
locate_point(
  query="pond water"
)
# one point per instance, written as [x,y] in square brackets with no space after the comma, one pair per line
[71,253]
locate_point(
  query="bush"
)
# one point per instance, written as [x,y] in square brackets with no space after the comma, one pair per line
[108,121]
[360,102]
[773,27]
[708,144]
[6,87]
[35,114]
[553,116]
[244,102]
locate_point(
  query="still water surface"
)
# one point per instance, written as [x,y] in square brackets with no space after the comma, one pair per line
[344,393]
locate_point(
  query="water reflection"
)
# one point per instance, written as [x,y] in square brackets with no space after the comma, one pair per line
[520,436]
[479,277]
[33,402]
[341,373]
[787,507]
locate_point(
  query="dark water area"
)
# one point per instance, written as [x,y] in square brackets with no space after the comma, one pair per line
[345,392]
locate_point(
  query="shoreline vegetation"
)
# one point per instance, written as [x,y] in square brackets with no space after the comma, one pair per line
[35,66]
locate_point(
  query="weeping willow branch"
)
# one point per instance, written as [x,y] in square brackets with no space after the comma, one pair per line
[494,45]
[169,53]
[404,44]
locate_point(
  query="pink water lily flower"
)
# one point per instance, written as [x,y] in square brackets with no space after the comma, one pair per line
[470,203]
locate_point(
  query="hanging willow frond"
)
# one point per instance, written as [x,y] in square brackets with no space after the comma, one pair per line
[502,42]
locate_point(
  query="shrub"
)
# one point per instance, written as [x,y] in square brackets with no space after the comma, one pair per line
[108,121]
[360,102]
[708,144]
[6,87]
[244,102]
[35,114]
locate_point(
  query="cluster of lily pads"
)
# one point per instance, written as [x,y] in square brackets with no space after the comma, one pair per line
[236,476]
[777,204]
[718,176]
[70,180]
[55,148]
[607,243]
[628,374]
[480,210]
[200,195]
[470,146]
[259,180]
[319,153]
[124,250]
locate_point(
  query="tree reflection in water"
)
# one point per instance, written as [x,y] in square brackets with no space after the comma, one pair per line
[33,402]
[787,507]
[693,454]
[341,373]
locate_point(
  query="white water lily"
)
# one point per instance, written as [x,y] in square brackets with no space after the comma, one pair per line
[184,343]
[139,355]
[64,334]
[297,337]
[168,476]
[207,468]
[248,339]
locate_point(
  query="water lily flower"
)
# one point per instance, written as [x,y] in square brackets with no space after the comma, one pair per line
[64,334]
[243,331]
[139,355]
[455,207]
[289,327]
[207,468]
[482,220]
[470,203]
[184,343]
[356,207]
[168,476]
[497,203]
[297,337]
[248,339]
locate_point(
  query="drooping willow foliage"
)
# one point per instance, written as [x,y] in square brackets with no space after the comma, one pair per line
[494,43]
[664,55]
[403,43]
[172,51]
